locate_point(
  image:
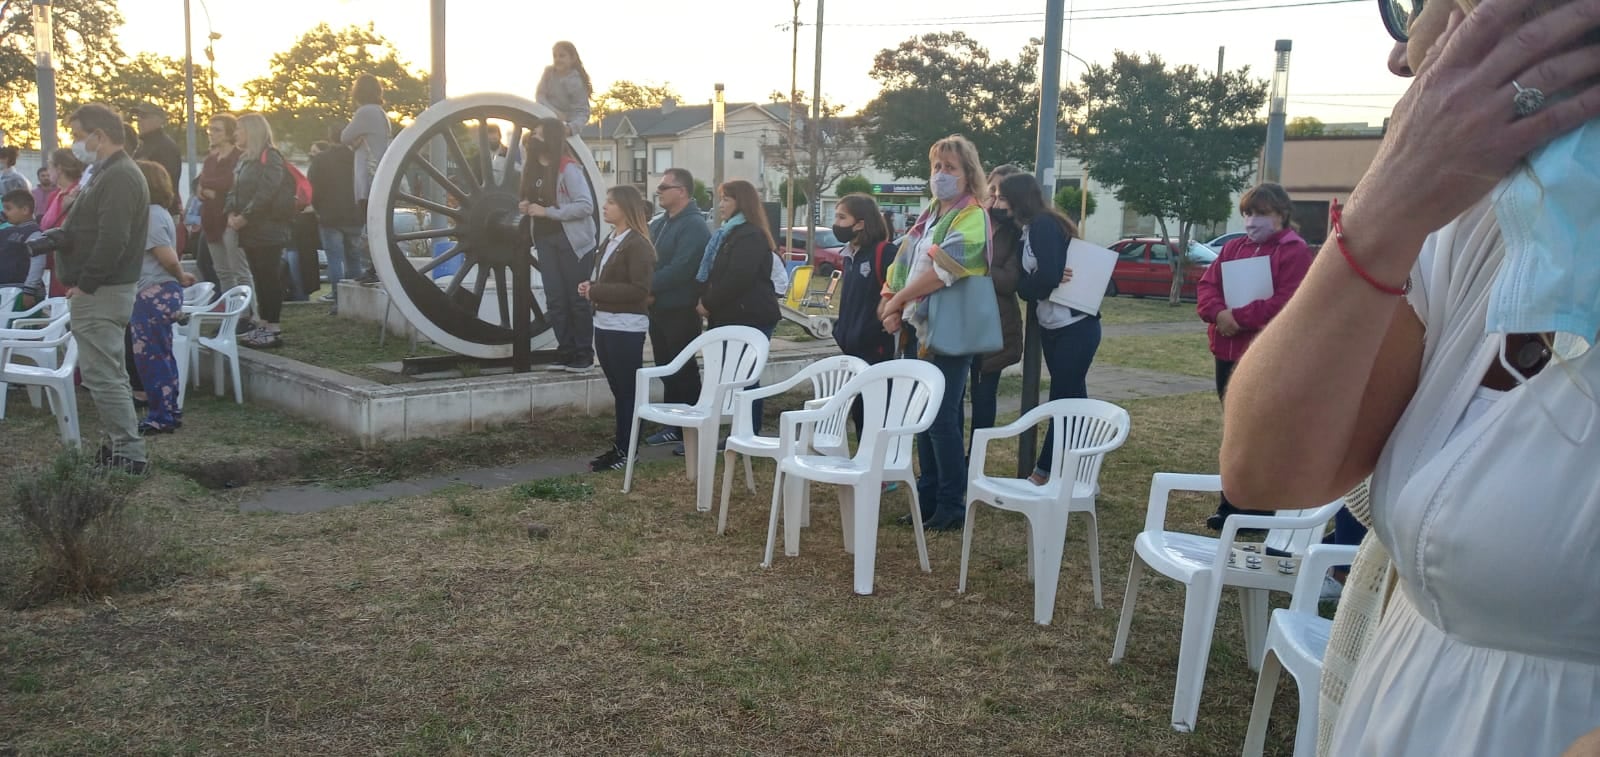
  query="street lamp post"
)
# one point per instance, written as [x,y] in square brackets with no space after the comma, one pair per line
[188,95]
[1083,186]
[45,71]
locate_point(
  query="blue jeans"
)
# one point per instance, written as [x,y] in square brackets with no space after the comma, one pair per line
[294,291]
[941,452]
[345,244]
[1068,351]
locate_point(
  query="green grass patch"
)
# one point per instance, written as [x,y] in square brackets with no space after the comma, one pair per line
[312,335]
[1128,310]
[1185,354]
[555,490]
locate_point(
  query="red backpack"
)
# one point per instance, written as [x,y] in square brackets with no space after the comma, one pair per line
[302,185]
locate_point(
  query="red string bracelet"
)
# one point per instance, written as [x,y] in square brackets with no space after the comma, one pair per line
[1337,222]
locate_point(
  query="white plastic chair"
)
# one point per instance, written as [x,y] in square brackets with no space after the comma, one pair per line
[48,307]
[732,358]
[197,297]
[1203,565]
[1085,431]
[225,345]
[1296,641]
[56,381]
[8,305]
[27,335]
[826,376]
[899,399]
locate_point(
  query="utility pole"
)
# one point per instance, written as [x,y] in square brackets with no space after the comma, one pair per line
[1277,114]
[44,48]
[719,138]
[436,54]
[1045,162]
[794,101]
[816,146]
[188,97]
[1221,52]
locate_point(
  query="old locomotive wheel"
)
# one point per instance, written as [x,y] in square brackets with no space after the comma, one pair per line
[442,191]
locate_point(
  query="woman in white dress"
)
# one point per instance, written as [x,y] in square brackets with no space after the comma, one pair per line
[1482,445]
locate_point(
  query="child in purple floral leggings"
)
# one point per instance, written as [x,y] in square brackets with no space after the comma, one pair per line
[158,306]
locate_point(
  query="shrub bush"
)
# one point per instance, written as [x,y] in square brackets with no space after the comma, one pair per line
[75,517]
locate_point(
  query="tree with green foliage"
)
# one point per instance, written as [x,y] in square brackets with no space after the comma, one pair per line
[1071,200]
[156,80]
[86,53]
[702,195]
[801,199]
[306,89]
[1177,143]
[627,95]
[940,84]
[852,184]
[837,140]
[1305,126]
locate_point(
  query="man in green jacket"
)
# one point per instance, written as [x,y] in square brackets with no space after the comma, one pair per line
[99,265]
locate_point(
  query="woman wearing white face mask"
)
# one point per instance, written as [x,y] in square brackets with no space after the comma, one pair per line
[1266,210]
[1418,352]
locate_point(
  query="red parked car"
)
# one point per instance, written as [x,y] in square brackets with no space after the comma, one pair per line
[830,251]
[1144,268]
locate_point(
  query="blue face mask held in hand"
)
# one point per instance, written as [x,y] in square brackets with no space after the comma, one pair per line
[1549,216]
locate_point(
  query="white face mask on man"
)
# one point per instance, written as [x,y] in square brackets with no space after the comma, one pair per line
[80,150]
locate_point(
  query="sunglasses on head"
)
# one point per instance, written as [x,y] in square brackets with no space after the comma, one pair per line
[1398,15]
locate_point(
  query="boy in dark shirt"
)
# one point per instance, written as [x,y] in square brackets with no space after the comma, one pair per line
[18,268]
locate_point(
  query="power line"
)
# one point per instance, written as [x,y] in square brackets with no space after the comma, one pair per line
[1036,16]
[988,21]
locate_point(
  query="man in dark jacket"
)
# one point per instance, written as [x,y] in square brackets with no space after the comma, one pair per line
[333,196]
[106,232]
[156,145]
[680,236]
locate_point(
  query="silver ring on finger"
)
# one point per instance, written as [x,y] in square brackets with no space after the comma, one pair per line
[1527,101]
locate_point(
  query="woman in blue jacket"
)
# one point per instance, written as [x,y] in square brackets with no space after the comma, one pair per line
[1069,337]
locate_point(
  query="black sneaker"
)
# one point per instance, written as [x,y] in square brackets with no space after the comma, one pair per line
[368,279]
[245,326]
[106,459]
[668,435]
[613,459]
[1218,519]
[579,367]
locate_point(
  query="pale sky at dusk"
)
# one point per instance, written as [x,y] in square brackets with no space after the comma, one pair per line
[1337,73]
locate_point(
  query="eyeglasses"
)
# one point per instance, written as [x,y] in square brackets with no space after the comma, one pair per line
[1397,16]
[665,187]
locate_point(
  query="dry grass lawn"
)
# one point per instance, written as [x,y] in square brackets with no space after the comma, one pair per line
[436,625]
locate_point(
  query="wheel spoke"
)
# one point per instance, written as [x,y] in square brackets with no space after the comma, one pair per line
[461,273]
[483,151]
[500,287]
[456,251]
[514,148]
[454,147]
[441,179]
[426,204]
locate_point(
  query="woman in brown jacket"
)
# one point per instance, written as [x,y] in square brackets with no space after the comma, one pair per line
[619,291]
[1005,268]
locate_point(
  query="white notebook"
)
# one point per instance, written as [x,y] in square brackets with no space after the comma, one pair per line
[1246,280]
[1091,272]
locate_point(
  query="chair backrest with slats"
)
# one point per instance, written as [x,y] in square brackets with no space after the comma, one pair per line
[732,357]
[199,294]
[1083,424]
[829,375]
[895,394]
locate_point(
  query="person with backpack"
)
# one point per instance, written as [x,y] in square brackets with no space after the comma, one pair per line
[259,207]
[867,254]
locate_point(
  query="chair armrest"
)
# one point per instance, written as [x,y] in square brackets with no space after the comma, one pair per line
[791,427]
[1230,527]
[678,362]
[1162,485]
[1316,563]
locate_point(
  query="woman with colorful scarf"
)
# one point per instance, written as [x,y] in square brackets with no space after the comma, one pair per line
[949,242]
